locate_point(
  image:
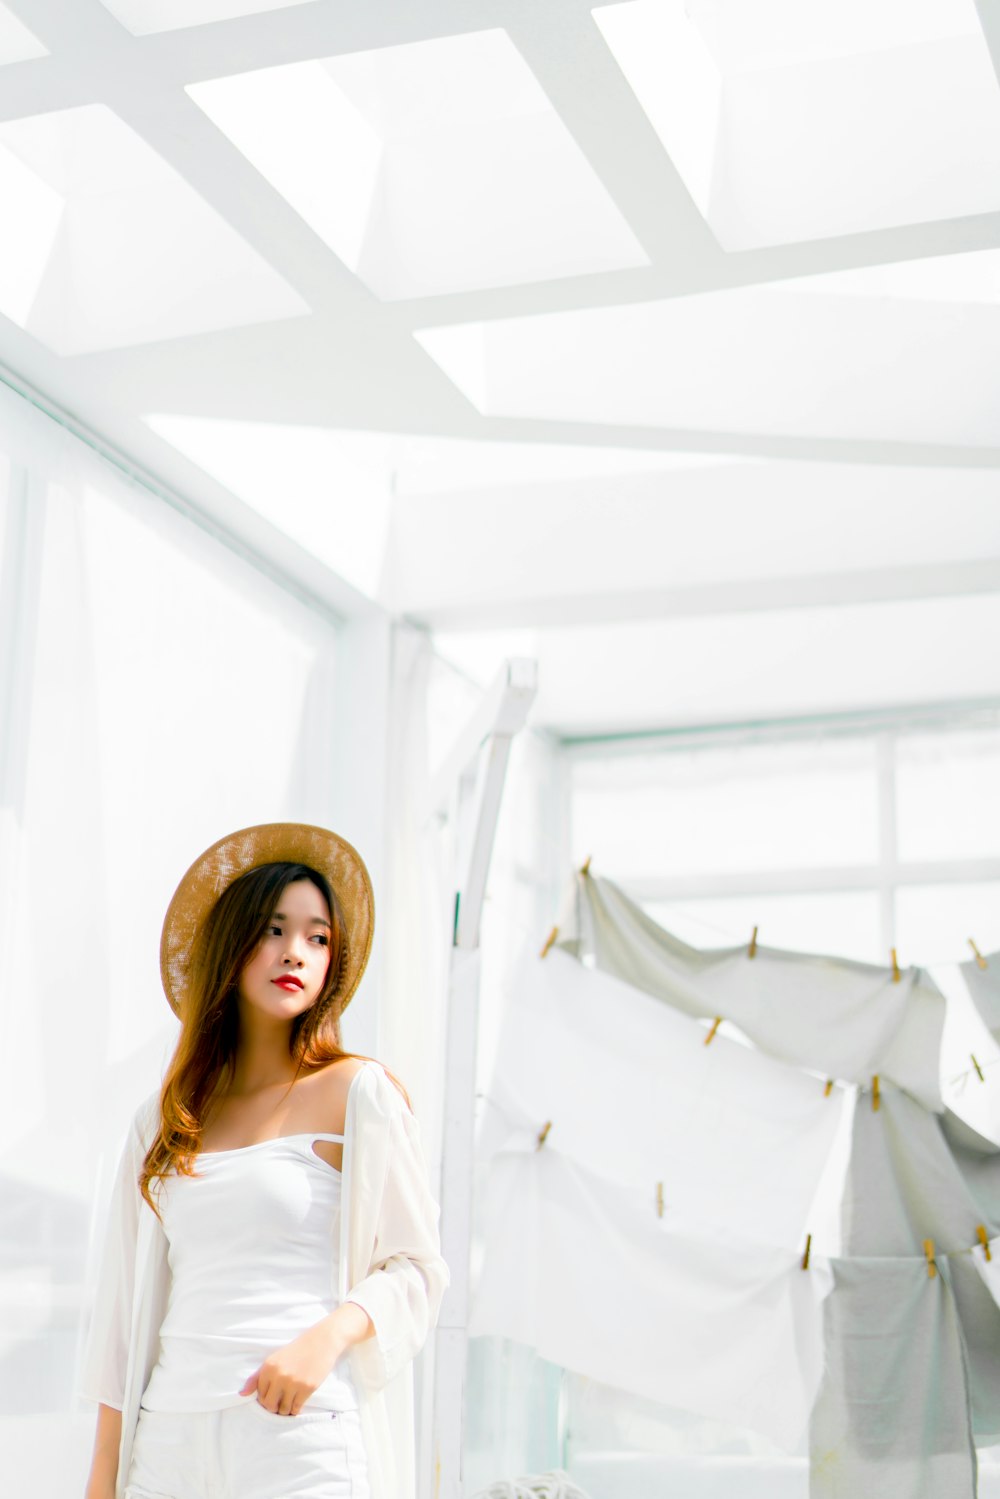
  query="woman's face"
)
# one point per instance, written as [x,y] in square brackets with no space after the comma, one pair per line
[286,973]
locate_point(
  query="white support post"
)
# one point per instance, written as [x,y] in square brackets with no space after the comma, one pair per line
[21,563]
[472,784]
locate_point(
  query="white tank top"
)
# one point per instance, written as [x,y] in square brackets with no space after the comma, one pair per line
[253,1245]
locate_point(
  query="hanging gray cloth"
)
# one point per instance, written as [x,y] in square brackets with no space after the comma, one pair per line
[978,1159]
[842,1019]
[979,1318]
[906,1182]
[891,1420]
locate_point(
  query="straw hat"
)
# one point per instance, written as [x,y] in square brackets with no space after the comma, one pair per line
[271,842]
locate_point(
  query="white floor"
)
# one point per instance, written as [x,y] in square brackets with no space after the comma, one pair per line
[65,1441]
[626,1476]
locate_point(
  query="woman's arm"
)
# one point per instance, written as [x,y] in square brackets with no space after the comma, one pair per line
[104,1464]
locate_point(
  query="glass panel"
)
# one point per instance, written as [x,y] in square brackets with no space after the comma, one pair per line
[934,922]
[719,82]
[843,923]
[774,806]
[512,1409]
[4,499]
[432,166]
[948,794]
[174,694]
[620,1446]
[17,43]
[142,17]
[99,215]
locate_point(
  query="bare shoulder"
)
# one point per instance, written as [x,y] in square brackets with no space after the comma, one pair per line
[333,1083]
[329,1087]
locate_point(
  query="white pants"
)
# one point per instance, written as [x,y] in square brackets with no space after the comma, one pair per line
[247,1452]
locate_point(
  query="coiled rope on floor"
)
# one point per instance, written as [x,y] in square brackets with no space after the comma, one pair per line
[555,1484]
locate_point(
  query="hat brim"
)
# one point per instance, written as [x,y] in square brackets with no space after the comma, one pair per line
[268,843]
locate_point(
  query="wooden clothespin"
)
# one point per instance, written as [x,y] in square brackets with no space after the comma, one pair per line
[984,1240]
[585,866]
[896,975]
[929,1252]
[715,1026]
[979,957]
[543,1134]
[752,949]
[975,1064]
[805,1257]
[659,1199]
[549,941]
[828,1087]
[875,1097]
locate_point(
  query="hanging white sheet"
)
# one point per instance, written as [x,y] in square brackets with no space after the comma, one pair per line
[892,1416]
[739,1141]
[844,1019]
[983,985]
[583,1270]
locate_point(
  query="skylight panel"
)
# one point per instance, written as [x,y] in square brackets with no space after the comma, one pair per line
[96,262]
[791,122]
[332,490]
[327,490]
[142,17]
[17,43]
[431,167]
[803,357]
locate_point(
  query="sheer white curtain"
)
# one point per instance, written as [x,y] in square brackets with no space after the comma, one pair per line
[416,932]
[156,692]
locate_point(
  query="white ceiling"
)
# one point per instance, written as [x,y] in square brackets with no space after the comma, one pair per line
[661,339]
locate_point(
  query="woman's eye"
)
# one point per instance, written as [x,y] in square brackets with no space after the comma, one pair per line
[324,941]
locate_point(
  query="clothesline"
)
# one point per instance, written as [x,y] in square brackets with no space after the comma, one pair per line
[736,939]
[978,1069]
[530,933]
[896,970]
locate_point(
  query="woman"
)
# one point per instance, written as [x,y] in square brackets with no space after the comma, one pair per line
[272,1261]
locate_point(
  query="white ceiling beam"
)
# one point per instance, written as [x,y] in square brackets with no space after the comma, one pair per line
[243,530]
[851,877]
[93,57]
[875,585]
[353,363]
[989,19]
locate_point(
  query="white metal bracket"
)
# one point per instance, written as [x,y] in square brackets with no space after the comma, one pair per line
[470,790]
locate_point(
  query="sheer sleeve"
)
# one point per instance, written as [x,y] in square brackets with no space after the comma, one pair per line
[407,1276]
[106,1351]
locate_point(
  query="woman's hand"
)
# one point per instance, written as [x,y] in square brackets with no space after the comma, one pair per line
[290,1374]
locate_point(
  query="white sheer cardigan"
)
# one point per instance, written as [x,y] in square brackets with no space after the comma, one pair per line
[389,1263]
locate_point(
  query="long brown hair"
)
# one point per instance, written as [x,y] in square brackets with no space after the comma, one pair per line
[206,1047]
